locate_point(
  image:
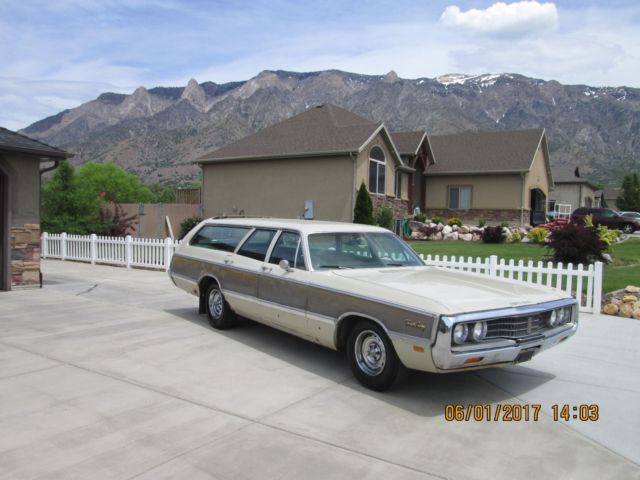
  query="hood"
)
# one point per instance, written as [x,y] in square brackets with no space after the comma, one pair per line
[453,292]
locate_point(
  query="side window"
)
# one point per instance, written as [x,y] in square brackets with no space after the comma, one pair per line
[257,244]
[288,247]
[218,237]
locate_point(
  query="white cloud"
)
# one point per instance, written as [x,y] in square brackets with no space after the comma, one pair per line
[514,19]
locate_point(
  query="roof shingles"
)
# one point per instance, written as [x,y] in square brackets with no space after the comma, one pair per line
[15,142]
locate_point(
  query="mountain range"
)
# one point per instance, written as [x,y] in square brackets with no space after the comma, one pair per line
[158,133]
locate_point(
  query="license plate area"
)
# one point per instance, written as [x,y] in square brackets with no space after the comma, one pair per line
[525,355]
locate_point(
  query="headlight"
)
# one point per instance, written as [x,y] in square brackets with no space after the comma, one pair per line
[554,317]
[460,333]
[479,331]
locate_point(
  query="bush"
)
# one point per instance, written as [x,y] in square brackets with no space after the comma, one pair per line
[482,223]
[493,235]
[187,224]
[538,235]
[576,244]
[588,220]
[437,219]
[454,221]
[363,210]
[384,218]
[609,237]
[504,224]
[516,236]
[420,217]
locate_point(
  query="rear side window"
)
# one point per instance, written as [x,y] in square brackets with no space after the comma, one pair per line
[580,211]
[288,247]
[257,244]
[218,237]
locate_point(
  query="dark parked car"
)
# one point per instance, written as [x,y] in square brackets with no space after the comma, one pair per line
[608,218]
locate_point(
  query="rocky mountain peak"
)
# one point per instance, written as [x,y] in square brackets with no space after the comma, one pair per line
[391,77]
[195,94]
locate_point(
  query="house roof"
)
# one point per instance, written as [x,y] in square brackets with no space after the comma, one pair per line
[485,152]
[569,174]
[322,130]
[408,143]
[16,142]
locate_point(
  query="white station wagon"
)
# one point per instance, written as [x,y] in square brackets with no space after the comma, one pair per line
[362,289]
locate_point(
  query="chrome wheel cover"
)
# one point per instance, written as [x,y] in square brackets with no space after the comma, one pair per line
[370,353]
[216,304]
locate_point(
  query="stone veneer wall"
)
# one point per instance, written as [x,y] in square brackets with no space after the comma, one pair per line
[492,216]
[25,255]
[400,207]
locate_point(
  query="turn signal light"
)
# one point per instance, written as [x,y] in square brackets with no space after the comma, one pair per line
[473,360]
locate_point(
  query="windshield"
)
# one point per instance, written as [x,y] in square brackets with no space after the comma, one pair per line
[359,250]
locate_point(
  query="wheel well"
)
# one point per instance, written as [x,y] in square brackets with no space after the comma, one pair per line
[204,284]
[344,329]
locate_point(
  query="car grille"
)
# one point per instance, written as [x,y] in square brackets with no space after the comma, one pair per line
[516,327]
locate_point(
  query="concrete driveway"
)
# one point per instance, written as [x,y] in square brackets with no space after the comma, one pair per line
[111,373]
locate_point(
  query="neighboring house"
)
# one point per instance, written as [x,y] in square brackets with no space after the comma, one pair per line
[20,170]
[308,166]
[610,196]
[495,176]
[572,189]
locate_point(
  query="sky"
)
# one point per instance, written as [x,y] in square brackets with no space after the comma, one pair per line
[58,54]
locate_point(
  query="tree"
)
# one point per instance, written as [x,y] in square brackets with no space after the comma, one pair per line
[629,199]
[162,194]
[363,210]
[112,183]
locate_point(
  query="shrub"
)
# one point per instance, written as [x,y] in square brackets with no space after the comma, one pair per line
[516,236]
[482,222]
[504,224]
[588,220]
[493,235]
[538,235]
[384,218]
[437,219]
[187,224]
[420,217]
[454,221]
[609,237]
[363,210]
[576,244]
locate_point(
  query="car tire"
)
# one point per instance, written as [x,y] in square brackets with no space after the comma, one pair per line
[220,314]
[372,357]
[628,228]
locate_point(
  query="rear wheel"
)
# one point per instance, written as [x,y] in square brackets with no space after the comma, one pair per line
[220,315]
[627,228]
[372,357]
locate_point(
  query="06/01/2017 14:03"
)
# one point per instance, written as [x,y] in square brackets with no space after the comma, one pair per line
[518,412]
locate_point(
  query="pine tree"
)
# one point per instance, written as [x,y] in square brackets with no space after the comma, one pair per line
[363,211]
[629,199]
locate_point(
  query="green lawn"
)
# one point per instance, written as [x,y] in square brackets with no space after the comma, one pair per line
[623,271]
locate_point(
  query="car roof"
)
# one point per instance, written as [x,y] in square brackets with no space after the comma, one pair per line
[304,226]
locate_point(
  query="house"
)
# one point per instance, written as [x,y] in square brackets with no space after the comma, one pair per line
[495,176]
[610,197]
[20,170]
[308,166]
[311,165]
[572,189]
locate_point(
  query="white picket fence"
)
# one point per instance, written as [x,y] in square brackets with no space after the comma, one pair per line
[126,251]
[585,284]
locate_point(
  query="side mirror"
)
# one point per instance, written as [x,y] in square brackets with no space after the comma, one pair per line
[284,264]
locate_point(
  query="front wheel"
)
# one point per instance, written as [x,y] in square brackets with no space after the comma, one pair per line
[220,314]
[627,228]
[372,357]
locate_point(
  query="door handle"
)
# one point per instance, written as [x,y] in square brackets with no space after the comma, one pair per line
[228,260]
[265,268]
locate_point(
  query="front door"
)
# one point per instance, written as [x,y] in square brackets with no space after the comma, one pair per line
[538,202]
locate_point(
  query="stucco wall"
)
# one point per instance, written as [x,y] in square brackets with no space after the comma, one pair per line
[537,177]
[362,170]
[488,191]
[573,193]
[279,188]
[24,173]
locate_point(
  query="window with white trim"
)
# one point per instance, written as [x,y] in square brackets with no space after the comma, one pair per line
[377,168]
[398,184]
[460,198]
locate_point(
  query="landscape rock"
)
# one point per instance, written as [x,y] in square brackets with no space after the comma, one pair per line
[611,309]
[417,236]
[464,229]
[626,310]
[447,229]
[467,237]
[436,236]
[632,289]
[629,299]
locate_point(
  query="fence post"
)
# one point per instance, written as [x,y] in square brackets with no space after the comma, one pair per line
[597,287]
[92,248]
[493,265]
[168,252]
[63,246]
[44,246]
[128,251]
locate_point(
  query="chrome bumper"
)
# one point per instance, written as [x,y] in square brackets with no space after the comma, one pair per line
[495,353]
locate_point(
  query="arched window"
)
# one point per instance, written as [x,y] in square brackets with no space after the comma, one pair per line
[377,168]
